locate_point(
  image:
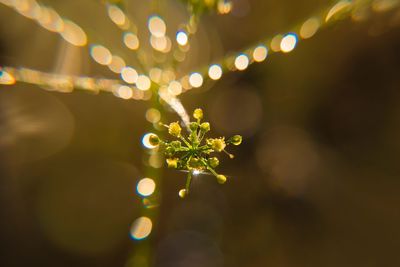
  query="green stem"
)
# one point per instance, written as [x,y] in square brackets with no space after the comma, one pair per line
[188,181]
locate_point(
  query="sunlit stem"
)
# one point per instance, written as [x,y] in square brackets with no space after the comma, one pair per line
[188,181]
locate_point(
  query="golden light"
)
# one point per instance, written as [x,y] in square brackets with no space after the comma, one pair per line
[101,54]
[50,20]
[242,62]
[143,83]
[156,161]
[146,187]
[6,78]
[276,43]
[196,80]
[7,2]
[117,64]
[288,42]
[224,7]
[182,38]
[384,5]
[73,34]
[340,6]
[137,94]
[157,26]
[168,75]
[155,74]
[124,92]
[146,141]
[159,43]
[153,115]
[185,83]
[175,88]
[309,28]
[116,15]
[215,72]
[129,75]
[131,41]
[260,53]
[29,9]
[141,228]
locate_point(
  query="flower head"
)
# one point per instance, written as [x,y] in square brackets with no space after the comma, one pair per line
[198,114]
[175,129]
[193,153]
[217,144]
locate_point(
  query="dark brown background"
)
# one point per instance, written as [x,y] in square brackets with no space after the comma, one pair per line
[315,183]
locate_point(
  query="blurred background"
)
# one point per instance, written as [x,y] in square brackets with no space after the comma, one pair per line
[315,182]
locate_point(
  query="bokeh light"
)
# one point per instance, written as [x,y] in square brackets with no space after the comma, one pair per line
[141,228]
[159,43]
[131,41]
[260,53]
[157,26]
[116,15]
[337,8]
[153,115]
[288,42]
[196,80]
[309,28]
[124,92]
[101,54]
[143,83]
[73,34]
[242,62]
[117,64]
[215,72]
[276,43]
[146,141]
[129,75]
[6,78]
[182,38]
[175,88]
[146,187]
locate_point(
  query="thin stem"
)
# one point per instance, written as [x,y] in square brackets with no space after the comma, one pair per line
[188,181]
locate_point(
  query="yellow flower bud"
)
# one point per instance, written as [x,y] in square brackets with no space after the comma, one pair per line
[172,163]
[154,140]
[205,127]
[174,129]
[236,140]
[198,114]
[182,193]
[221,178]
[218,144]
[213,162]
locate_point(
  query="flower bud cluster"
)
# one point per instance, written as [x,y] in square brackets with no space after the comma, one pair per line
[192,153]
